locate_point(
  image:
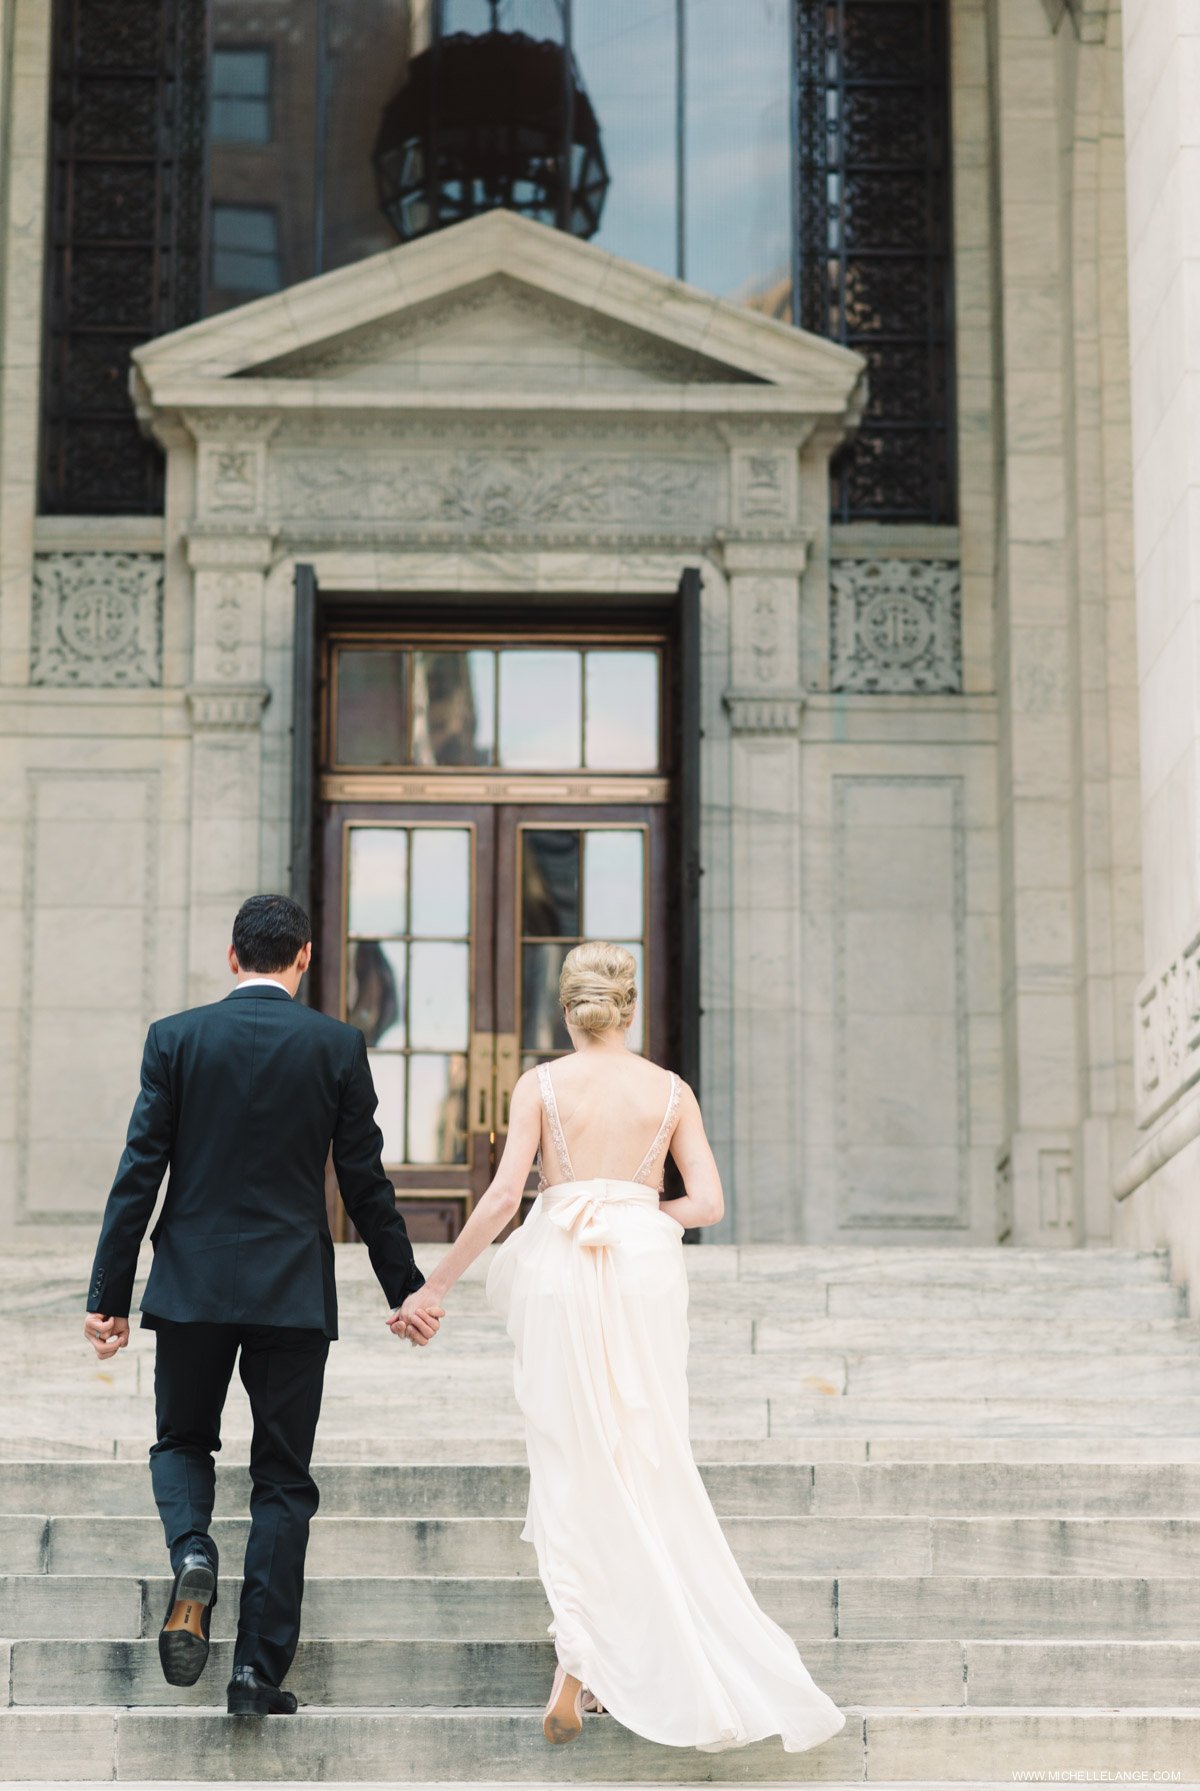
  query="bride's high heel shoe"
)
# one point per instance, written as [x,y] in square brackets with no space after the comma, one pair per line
[563,1720]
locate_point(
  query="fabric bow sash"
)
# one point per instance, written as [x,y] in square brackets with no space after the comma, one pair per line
[582,1215]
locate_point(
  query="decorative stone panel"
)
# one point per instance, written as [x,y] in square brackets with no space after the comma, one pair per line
[97,619]
[1167,1033]
[895,626]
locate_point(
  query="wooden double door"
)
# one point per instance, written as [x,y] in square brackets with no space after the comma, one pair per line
[453,921]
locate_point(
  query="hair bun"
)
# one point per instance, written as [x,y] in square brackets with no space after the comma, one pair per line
[598,986]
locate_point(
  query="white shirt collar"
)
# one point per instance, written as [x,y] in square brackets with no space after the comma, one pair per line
[246,982]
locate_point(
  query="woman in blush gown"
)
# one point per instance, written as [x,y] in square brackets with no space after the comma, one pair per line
[651,1612]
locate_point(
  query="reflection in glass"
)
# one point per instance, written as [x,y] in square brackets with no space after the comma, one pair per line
[637,1031]
[738,216]
[550,884]
[622,712]
[542,1026]
[375,992]
[438,998]
[613,883]
[454,708]
[437,1109]
[540,710]
[625,50]
[387,1073]
[371,689]
[441,882]
[378,865]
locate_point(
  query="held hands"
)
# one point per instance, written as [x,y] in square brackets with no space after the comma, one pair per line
[418,1319]
[106,1335]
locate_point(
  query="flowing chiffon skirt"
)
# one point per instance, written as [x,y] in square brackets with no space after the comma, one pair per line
[650,1610]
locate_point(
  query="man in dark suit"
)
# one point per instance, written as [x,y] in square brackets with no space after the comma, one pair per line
[242,1100]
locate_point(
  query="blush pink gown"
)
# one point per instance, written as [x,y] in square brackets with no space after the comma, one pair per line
[651,1611]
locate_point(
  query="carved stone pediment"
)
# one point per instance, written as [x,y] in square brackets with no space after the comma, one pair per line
[500,332]
[497,312]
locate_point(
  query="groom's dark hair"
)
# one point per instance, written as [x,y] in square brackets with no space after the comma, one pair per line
[270,932]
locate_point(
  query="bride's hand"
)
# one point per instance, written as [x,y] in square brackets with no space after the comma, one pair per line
[418,1319]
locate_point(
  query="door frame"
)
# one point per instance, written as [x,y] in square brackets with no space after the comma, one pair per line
[674,616]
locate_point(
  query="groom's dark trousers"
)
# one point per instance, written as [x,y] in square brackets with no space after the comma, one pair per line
[243,1100]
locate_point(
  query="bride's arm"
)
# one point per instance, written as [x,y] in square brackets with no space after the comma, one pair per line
[495,1208]
[704,1202]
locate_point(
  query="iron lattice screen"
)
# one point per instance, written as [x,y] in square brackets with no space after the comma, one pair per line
[124,236]
[873,243]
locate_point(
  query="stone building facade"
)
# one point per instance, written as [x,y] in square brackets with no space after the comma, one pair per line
[947,951]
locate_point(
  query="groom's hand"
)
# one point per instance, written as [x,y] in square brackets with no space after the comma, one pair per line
[418,1318]
[106,1335]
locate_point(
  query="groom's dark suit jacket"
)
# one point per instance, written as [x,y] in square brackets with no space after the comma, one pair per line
[242,1100]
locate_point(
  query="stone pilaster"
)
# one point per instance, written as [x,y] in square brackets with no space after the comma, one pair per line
[764,704]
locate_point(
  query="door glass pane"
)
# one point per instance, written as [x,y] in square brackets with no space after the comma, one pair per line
[541,710]
[441,882]
[637,1031]
[439,990]
[454,708]
[375,993]
[378,880]
[613,883]
[550,884]
[622,712]
[437,1109]
[542,1026]
[387,1072]
[371,721]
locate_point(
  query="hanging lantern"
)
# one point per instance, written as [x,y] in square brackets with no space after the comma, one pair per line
[492,120]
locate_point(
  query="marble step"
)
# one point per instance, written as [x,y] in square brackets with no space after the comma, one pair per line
[383,1673]
[913,1371]
[937,1607]
[744,1489]
[914,1745]
[837,1544]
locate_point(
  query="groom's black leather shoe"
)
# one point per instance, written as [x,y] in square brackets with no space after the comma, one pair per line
[183,1639]
[248,1695]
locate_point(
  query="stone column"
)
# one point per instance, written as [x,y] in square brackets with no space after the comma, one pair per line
[1162,125]
[764,705]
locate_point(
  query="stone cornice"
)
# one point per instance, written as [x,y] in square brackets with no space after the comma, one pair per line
[220,547]
[764,711]
[227,706]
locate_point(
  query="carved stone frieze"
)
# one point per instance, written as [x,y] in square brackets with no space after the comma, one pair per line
[895,626]
[97,619]
[485,493]
[1167,1032]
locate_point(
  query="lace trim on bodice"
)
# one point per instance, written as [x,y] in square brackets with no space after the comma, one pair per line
[664,1132]
[556,1132]
[648,1162]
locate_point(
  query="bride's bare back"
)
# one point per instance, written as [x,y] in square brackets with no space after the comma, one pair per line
[617,1114]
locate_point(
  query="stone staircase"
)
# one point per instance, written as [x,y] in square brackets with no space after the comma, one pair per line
[967,1481]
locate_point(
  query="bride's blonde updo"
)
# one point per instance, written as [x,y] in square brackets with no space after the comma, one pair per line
[598,986]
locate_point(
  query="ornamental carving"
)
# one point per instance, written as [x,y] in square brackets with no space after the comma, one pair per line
[895,626]
[484,493]
[1167,1033]
[97,619]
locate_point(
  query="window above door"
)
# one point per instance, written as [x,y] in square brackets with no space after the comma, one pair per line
[537,707]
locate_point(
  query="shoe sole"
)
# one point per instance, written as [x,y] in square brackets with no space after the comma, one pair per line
[562,1721]
[182,1644]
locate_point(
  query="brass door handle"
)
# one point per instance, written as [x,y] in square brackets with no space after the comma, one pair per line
[481,1083]
[507,1071]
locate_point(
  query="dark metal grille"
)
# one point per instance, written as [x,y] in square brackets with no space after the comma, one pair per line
[124,236]
[873,241]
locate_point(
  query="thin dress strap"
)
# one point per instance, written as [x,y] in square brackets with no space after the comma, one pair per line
[664,1131]
[556,1132]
